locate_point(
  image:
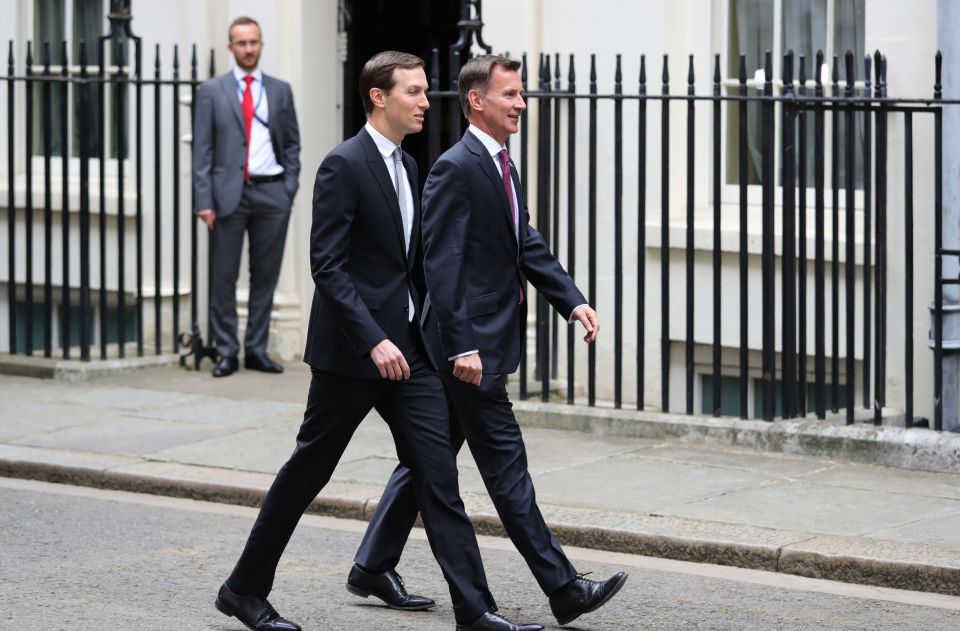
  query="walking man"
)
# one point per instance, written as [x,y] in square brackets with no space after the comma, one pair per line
[478,253]
[246,170]
[365,351]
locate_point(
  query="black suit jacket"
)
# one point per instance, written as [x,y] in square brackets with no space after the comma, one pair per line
[475,266]
[220,140]
[359,265]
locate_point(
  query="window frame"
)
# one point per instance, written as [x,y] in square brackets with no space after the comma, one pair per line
[111,169]
[730,191]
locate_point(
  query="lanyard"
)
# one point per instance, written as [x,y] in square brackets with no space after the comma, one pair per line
[256,105]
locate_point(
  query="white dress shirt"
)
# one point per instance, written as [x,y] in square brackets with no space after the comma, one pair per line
[386,148]
[260,157]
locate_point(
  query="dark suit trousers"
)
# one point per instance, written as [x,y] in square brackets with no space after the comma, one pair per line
[263,214]
[416,412]
[485,417]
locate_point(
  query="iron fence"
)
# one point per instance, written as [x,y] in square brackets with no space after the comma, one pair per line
[52,84]
[857,111]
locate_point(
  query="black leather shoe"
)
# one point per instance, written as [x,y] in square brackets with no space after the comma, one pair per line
[226,367]
[581,595]
[261,363]
[252,611]
[495,622]
[388,587]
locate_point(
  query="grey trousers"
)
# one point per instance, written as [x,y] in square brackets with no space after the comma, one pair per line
[263,214]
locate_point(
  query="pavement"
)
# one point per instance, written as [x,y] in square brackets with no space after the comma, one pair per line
[807,498]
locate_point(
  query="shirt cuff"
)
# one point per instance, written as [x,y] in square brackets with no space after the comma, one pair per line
[574,313]
[473,352]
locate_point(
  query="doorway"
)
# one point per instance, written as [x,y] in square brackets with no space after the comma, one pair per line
[412,26]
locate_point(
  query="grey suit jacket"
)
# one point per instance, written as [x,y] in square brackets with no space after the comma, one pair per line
[219,141]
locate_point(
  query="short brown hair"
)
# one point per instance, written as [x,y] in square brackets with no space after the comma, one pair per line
[243,20]
[475,75]
[378,73]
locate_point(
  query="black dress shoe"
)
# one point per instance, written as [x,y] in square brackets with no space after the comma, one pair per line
[388,587]
[581,595]
[261,363]
[495,622]
[226,367]
[253,611]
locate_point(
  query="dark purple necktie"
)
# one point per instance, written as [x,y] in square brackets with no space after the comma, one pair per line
[508,188]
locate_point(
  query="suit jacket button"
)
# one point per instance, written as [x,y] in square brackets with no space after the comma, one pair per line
[406,308]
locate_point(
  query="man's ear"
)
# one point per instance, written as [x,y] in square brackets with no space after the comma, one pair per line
[473,98]
[376,97]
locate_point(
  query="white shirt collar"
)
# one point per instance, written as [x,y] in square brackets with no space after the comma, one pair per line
[239,74]
[384,145]
[491,145]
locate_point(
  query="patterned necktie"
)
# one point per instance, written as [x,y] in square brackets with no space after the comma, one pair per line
[508,188]
[247,108]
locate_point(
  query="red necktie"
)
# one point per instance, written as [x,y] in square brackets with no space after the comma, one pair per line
[508,187]
[247,108]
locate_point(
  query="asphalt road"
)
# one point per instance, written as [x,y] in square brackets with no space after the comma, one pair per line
[77,559]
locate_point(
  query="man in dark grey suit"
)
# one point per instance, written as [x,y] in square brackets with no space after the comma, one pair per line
[246,169]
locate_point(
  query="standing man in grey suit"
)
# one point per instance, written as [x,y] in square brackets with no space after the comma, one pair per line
[246,169]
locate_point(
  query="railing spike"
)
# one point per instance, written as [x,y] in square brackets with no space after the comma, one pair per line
[742,73]
[690,76]
[666,72]
[643,70]
[938,86]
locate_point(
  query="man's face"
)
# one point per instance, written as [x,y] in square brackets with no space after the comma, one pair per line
[406,103]
[245,45]
[502,103]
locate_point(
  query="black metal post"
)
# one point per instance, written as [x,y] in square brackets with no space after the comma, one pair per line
[665,241]
[744,255]
[691,149]
[641,230]
[592,228]
[47,205]
[717,255]
[819,275]
[789,260]
[571,216]
[768,257]
[618,238]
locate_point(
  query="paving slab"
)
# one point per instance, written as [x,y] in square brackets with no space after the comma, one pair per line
[776,466]
[815,508]
[125,435]
[936,531]
[887,479]
[642,485]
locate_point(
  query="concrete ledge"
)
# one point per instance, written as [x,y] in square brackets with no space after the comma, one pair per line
[882,563]
[919,449]
[76,370]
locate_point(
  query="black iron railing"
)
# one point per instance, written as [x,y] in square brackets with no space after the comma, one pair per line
[796,105]
[84,93]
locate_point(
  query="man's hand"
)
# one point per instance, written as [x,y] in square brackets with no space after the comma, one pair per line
[468,368]
[588,318]
[390,361]
[207,216]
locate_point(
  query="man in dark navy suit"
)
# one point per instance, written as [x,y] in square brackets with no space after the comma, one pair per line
[365,351]
[479,251]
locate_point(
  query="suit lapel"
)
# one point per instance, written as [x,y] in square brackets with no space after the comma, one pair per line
[273,102]
[380,174]
[229,85]
[486,165]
